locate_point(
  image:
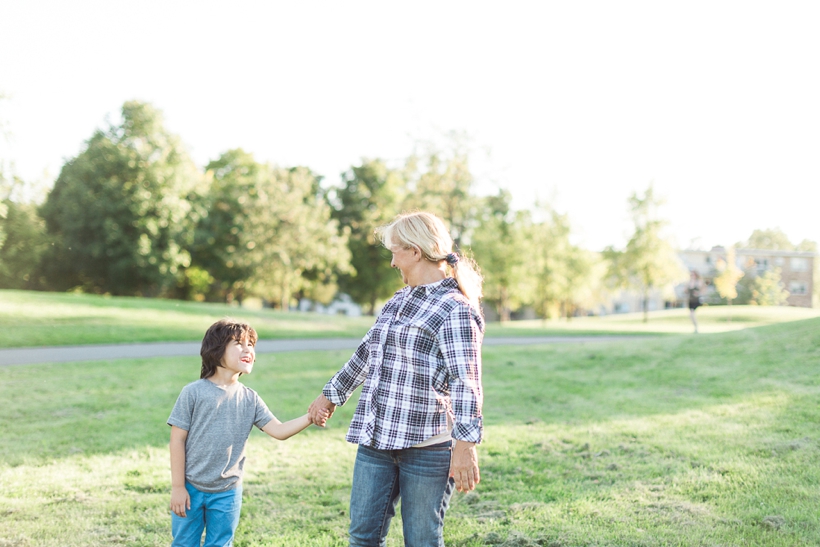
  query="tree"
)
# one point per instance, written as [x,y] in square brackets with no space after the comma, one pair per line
[768,290]
[370,196]
[119,213]
[649,261]
[224,242]
[772,239]
[445,187]
[297,248]
[500,246]
[550,249]
[24,242]
[726,281]
[267,231]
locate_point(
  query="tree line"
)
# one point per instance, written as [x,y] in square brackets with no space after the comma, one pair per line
[132,214]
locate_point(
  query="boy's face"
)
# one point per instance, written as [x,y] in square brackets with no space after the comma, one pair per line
[239,356]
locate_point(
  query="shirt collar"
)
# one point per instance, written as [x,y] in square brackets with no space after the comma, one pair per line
[433,287]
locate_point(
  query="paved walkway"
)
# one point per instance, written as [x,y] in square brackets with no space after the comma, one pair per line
[67,354]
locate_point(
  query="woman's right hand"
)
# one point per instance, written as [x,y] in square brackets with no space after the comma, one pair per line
[464,466]
[321,410]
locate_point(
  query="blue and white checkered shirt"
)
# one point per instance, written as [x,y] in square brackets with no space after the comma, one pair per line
[419,362]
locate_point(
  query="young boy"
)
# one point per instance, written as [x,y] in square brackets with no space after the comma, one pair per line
[210,425]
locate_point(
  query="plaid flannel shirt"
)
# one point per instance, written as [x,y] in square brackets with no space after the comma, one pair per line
[419,362]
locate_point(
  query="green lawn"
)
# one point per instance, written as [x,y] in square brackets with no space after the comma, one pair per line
[39,319]
[710,319]
[681,440]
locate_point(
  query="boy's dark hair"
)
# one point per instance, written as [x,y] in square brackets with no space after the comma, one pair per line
[216,340]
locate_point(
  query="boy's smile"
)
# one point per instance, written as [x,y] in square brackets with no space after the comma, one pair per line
[239,356]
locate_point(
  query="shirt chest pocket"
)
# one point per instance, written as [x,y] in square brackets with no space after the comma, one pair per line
[411,341]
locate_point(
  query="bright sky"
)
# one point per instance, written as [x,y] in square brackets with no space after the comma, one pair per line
[580,103]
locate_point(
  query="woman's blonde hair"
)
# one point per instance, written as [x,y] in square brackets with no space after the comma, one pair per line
[427,232]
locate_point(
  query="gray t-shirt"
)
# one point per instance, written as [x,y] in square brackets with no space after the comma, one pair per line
[218,420]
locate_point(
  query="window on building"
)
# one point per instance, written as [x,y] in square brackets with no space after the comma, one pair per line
[799,264]
[778,261]
[798,287]
[761,264]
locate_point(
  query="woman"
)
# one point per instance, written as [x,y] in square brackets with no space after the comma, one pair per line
[419,414]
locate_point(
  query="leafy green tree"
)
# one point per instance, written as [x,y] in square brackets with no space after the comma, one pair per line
[267,231]
[302,248]
[22,232]
[501,247]
[441,182]
[23,245]
[649,261]
[224,242]
[768,290]
[370,196]
[119,214]
[582,288]
[563,272]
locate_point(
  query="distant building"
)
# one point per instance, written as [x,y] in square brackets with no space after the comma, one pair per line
[796,270]
[796,274]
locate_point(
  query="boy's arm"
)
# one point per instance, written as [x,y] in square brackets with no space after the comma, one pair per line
[180,500]
[282,431]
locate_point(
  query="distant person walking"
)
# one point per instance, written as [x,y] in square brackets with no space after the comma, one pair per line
[419,414]
[694,288]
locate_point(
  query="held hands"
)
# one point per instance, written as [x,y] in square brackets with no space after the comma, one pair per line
[180,500]
[321,410]
[464,466]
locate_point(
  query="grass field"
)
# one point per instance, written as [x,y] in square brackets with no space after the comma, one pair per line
[681,440]
[36,319]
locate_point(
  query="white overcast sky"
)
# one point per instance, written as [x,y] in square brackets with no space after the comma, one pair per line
[580,103]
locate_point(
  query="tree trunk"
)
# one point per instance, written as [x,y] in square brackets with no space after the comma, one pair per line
[504,307]
[646,307]
[285,293]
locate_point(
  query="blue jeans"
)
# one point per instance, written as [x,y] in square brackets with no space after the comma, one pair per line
[216,513]
[419,476]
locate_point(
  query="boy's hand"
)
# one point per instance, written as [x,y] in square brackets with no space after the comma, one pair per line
[323,415]
[180,500]
[321,410]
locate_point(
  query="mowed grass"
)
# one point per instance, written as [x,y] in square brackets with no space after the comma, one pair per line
[707,440]
[30,319]
[711,319]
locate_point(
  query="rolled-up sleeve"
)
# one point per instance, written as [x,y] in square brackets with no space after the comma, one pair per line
[339,388]
[460,340]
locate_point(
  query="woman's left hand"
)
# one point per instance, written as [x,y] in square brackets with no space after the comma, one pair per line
[464,466]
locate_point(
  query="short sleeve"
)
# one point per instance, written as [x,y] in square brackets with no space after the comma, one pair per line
[263,414]
[183,409]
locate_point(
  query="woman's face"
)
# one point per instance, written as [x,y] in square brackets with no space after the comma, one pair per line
[403,260]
